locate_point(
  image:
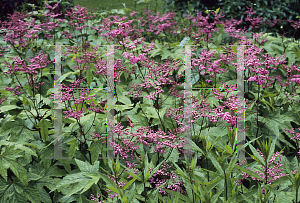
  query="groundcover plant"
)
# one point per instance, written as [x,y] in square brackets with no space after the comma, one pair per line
[149,77]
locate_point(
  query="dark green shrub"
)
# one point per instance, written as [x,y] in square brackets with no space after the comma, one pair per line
[24,6]
[8,7]
[267,9]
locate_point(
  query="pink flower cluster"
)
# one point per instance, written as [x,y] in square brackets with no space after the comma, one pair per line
[2,100]
[97,199]
[177,185]
[296,137]
[151,136]
[15,90]
[120,185]
[273,173]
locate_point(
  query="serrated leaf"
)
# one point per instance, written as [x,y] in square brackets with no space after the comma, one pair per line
[87,167]
[89,74]
[131,192]
[76,182]
[256,156]
[73,147]
[95,150]
[216,164]
[131,172]
[43,125]
[166,54]
[151,112]
[178,54]
[125,100]
[272,148]
[155,52]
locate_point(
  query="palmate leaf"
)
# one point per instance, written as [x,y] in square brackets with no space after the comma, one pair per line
[41,179]
[279,122]
[166,54]
[8,159]
[246,196]
[81,181]
[43,125]
[95,150]
[17,192]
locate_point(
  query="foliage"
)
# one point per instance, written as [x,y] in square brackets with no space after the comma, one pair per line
[28,139]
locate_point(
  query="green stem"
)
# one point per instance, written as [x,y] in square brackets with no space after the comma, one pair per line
[207,169]
[225,186]
[296,195]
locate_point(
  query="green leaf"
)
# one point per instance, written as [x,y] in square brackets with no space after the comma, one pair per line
[230,166]
[151,112]
[27,149]
[86,118]
[89,74]
[8,159]
[81,181]
[64,76]
[178,54]
[131,192]
[95,150]
[77,182]
[155,52]
[16,192]
[272,148]
[146,169]
[87,167]
[73,147]
[181,196]
[291,57]
[228,149]
[128,184]
[166,54]
[280,122]
[8,108]
[257,156]
[44,125]
[216,164]
[131,172]
[154,195]
[181,173]
[196,148]
[29,55]
[138,120]
[125,100]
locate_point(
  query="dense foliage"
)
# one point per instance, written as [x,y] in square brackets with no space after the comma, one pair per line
[149,72]
[265,9]
[9,6]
